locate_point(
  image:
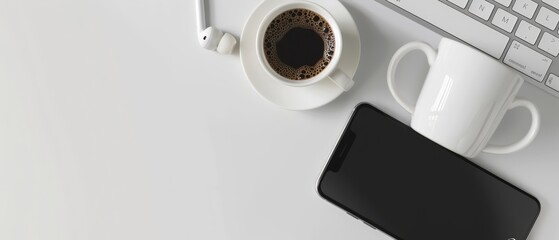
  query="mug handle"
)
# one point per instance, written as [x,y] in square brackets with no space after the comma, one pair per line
[341,80]
[528,138]
[404,50]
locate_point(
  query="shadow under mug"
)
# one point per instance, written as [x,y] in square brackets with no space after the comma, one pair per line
[464,98]
[332,70]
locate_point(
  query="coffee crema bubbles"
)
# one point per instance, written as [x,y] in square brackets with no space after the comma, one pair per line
[299,44]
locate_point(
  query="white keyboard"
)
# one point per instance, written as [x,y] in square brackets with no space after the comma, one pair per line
[523,34]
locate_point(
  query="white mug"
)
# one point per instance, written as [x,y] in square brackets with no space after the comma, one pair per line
[331,72]
[464,98]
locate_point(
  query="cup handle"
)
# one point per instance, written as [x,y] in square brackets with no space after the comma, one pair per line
[404,50]
[341,79]
[528,138]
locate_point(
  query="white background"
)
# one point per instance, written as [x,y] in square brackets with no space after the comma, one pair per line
[115,124]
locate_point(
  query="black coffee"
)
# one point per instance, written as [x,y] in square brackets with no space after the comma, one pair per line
[299,44]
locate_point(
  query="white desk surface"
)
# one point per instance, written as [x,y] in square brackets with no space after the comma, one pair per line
[115,124]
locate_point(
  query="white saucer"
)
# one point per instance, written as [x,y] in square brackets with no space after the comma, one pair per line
[299,98]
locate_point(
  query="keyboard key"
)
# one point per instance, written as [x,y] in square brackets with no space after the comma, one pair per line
[505,3]
[553,82]
[457,24]
[481,8]
[527,61]
[547,18]
[550,44]
[504,20]
[553,3]
[525,7]
[527,32]
[459,3]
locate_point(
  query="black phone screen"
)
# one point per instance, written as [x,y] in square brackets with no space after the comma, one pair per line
[402,183]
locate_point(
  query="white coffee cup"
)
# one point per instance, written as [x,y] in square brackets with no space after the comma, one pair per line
[464,98]
[331,72]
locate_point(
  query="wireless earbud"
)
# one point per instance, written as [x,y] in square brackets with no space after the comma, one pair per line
[212,38]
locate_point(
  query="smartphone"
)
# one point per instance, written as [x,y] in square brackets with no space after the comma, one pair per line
[396,180]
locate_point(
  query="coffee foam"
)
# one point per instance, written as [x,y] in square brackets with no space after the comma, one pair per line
[288,20]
